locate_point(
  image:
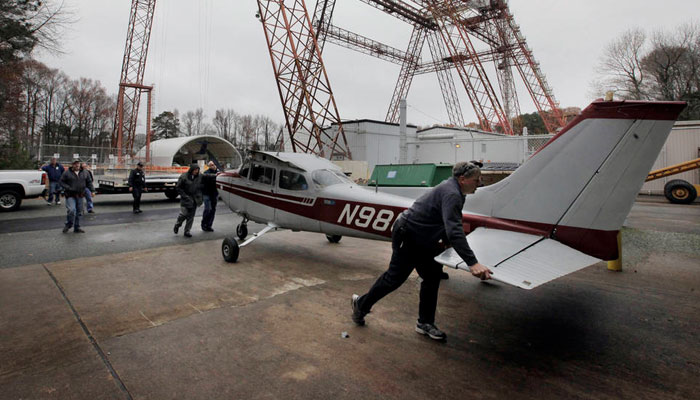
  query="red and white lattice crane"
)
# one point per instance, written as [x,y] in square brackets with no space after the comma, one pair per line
[467,37]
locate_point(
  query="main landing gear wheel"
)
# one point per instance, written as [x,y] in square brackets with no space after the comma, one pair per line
[334,238]
[242,231]
[230,249]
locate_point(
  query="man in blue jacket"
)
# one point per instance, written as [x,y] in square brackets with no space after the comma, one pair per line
[418,235]
[54,170]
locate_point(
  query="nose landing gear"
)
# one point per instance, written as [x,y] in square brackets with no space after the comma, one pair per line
[230,249]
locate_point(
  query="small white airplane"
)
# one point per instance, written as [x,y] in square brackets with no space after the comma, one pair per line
[559,212]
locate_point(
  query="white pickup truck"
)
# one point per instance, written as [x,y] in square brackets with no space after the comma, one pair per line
[16,185]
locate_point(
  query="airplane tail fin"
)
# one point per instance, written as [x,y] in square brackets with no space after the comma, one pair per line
[582,184]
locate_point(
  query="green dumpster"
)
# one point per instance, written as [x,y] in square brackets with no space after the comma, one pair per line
[410,175]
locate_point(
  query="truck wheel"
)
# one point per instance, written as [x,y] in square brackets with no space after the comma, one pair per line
[171,194]
[334,238]
[230,250]
[9,200]
[679,191]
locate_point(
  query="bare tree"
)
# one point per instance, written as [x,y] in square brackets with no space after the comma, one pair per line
[247,132]
[667,67]
[199,124]
[53,85]
[223,122]
[674,62]
[621,66]
[28,24]
[49,22]
[266,130]
[33,79]
[188,122]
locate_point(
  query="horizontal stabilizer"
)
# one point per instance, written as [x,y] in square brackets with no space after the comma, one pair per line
[519,259]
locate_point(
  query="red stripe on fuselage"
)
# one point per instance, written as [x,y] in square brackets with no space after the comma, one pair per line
[325,210]
[597,243]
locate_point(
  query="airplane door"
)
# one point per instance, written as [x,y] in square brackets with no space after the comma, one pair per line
[296,210]
[261,189]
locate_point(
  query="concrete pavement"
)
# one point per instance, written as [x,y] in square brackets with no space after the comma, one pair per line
[176,321]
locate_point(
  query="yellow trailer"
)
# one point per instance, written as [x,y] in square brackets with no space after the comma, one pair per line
[678,191]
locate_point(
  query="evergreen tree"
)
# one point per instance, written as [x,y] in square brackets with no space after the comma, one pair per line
[165,126]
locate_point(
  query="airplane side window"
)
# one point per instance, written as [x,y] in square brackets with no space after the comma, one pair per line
[262,174]
[245,168]
[292,181]
[270,175]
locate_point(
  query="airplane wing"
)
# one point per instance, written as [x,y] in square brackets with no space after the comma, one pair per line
[519,259]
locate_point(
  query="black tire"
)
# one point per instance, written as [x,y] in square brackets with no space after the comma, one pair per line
[334,238]
[171,195]
[10,200]
[679,191]
[230,250]
[242,231]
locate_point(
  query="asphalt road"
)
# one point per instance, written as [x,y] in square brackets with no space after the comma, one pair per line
[33,234]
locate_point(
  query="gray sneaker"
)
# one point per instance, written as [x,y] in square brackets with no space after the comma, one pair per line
[358,317]
[431,330]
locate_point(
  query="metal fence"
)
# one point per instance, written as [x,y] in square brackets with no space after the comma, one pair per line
[96,156]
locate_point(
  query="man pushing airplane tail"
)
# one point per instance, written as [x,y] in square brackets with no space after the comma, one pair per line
[419,234]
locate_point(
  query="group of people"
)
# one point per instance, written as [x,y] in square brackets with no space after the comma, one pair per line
[74,184]
[54,170]
[196,189]
[433,222]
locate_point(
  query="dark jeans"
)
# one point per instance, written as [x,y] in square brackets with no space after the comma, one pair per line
[409,252]
[74,209]
[186,214]
[54,190]
[136,192]
[209,211]
[88,199]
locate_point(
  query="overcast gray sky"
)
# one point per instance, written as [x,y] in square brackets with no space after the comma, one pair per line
[212,53]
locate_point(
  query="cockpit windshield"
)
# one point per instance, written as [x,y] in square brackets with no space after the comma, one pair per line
[326,177]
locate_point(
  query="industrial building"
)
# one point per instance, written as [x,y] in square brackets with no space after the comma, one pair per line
[375,143]
[378,142]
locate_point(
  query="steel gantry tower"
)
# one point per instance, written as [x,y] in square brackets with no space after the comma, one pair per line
[131,81]
[305,91]
[472,39]
[478,39]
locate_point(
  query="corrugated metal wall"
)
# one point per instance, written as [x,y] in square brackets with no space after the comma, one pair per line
[683,144]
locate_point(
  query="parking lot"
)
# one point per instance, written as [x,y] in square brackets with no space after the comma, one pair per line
[129,310]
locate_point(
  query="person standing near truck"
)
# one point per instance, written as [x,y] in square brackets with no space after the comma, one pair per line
[74,181]
[137,185]
[54,170]
[88,195]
